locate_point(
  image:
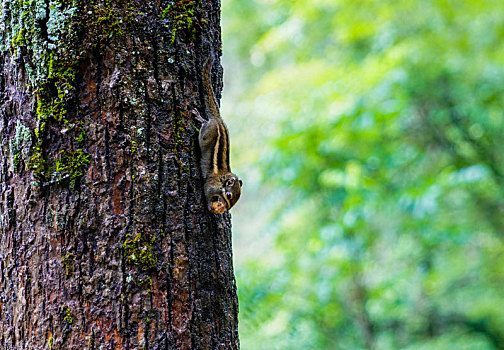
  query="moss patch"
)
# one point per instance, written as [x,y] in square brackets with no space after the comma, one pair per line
[107,19]
[70,165]
[64,169]
[183,17]
[42,33]
[67,262]
[138,251]
[68,316]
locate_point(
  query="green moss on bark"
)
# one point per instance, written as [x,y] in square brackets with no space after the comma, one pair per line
[138,251]
[41,33]
[183,16]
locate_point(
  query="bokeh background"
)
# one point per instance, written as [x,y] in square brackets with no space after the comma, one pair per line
[370,137]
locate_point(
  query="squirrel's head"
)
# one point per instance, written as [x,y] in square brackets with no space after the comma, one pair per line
[222,192]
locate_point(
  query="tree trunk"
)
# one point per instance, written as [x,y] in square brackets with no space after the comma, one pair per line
[106,241]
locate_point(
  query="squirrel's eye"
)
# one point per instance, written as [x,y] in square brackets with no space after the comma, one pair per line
[230,182]
[229,195]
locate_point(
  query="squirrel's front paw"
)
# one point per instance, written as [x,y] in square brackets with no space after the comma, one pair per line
[197,115]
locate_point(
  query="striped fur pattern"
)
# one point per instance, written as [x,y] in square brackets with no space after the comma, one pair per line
[221,185]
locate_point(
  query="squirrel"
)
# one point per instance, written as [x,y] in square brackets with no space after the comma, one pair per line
[222,188]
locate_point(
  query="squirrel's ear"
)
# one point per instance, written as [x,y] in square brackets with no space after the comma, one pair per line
[241,182]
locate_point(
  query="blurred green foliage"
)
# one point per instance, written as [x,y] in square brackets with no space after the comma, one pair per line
[370,135]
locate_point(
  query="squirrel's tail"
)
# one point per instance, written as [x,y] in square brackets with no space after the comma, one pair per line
[210,100]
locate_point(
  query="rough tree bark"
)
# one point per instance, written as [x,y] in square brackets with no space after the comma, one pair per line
[106,242]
